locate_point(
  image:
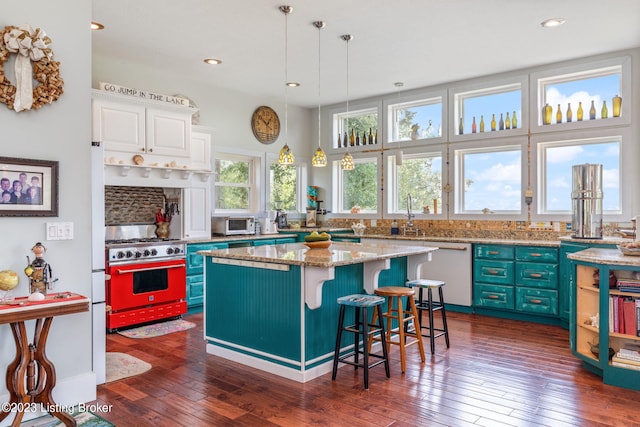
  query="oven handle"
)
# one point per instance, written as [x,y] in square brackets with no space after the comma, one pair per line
[137,270]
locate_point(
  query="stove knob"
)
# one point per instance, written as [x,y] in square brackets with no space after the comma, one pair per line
[129,254]
[169,251]
[176,250]
[154,252]
[120,255]
[146,252]
[138,254]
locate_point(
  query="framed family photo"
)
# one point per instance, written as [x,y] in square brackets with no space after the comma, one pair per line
[28,187]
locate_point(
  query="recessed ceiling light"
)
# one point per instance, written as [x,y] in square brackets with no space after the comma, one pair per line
[293,84]
[213,61]
[553,22]
[96,26]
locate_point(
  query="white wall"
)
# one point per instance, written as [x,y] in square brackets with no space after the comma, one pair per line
[61,132]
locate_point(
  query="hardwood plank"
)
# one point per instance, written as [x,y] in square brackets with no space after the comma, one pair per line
[497,373]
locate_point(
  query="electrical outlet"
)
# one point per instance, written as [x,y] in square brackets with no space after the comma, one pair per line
[59,231]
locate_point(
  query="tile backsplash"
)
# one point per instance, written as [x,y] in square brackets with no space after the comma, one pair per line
[132,205]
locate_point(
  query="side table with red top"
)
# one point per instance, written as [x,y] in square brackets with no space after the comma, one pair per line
[31,376]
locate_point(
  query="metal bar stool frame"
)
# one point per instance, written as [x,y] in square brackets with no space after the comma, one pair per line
[431,306]
[361,327]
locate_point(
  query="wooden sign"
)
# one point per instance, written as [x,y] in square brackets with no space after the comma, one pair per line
[145,94]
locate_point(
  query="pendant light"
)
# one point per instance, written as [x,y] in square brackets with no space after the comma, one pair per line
[347,161]
[319,158]
[286,156]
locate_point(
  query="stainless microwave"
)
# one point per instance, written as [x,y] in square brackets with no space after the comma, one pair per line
[230,226]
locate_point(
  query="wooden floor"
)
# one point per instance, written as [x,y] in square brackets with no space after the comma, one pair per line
[496,373]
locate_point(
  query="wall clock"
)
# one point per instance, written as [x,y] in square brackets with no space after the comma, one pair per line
[265,124]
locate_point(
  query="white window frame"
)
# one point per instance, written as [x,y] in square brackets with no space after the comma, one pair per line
[254,184]
[302,173]
[411,99]
[457,177]
[391,208]
[627,171]
[484,87]
[540,80]
[337,208]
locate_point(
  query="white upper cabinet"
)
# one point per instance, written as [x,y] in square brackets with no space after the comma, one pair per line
[131,125]
[201,148]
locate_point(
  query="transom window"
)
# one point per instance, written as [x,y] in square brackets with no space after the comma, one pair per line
[419,119]
[489,109]
[363,124]
[489,180]
[581,96]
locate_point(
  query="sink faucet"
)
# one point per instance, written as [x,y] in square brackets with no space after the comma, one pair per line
[409,208]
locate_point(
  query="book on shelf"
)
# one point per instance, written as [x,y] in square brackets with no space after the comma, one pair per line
[629,310]
[624,315]
[620,359]
[625,365]
[638,317]
[630,351]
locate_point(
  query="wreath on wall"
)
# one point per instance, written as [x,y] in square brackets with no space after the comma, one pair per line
[30,47]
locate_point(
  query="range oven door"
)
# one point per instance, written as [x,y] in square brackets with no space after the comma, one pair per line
[144,284]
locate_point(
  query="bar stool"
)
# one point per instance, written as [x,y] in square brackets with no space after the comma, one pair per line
[361,327]
[402,317]
[431,306]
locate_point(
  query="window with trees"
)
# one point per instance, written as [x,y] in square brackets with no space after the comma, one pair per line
[358,188]
[235,183]
[489,180]
[419,175]
[362,123]
[420,119]
[284,187]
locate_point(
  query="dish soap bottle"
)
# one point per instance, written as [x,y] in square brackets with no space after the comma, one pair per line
[394,227]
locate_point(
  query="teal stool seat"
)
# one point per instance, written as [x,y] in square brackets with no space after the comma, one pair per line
[361,327]
[431,306]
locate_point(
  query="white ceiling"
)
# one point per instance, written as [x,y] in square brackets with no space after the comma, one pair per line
[418,42]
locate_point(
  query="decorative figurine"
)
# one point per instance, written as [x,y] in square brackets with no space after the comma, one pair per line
[38,271]
[415,131]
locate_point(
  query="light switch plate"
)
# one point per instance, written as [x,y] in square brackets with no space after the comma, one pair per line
[59,231]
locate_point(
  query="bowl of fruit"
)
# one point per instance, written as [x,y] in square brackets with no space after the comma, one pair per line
[317,240]
[630,248]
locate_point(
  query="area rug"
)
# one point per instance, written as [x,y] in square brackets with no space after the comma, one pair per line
[84,419]
[158,329]
[122,365]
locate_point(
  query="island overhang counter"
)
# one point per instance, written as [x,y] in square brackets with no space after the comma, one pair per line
[274,307]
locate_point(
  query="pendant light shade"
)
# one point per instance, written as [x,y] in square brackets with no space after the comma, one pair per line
[347,161]
[319,158]
[286,156]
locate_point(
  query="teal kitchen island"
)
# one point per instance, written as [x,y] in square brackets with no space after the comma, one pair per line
[274,307]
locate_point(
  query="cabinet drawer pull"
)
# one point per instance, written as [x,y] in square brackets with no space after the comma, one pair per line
[535,254]
[494,272]
[535,301]
[493,296]
[535,275]
[493,252]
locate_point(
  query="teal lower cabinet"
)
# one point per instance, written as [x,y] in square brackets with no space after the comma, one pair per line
[519,282]
[195,276]
[593,335]
[263,242]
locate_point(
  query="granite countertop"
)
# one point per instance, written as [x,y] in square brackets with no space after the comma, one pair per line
[605,256]
[606,240]
[551,243]
[339,253]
